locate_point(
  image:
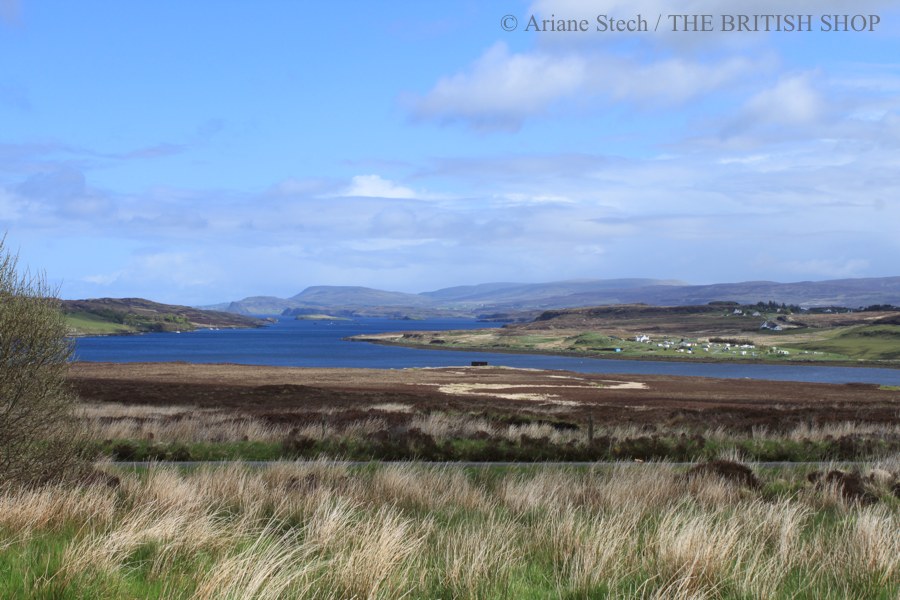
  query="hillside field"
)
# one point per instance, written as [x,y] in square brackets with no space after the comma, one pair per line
[705,333]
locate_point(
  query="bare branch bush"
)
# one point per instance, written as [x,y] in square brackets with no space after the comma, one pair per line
[36,425]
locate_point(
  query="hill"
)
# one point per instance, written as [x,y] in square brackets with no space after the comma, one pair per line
[103,316]
[508,298]
[330,295]
[500,293]
[260,305]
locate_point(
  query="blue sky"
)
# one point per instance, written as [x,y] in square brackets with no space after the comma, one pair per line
[198,152]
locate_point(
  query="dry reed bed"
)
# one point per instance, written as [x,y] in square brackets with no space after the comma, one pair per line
[325,530]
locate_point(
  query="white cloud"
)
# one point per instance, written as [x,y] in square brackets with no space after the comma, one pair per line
[502,88]
[521,199]
[587,73]
[374,186]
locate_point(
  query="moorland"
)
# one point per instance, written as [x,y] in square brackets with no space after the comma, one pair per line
[309,526]
[182,411]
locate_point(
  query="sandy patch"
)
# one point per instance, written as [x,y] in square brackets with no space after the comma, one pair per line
[488,390]
[498,390]
[624,385]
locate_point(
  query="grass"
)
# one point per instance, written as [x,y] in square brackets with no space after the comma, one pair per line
[111,322]
[324,530]
[868,342]
[82,323]
[876,343]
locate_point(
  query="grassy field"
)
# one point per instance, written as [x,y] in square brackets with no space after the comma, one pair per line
[878,344]
[82,323]
[323,530]
[705,333]
[869,342]
[111,316]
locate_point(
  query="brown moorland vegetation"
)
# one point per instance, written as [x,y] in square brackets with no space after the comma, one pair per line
[481,413]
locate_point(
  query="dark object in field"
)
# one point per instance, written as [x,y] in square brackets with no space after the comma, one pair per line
[730,471]
[851,485]
[479,363]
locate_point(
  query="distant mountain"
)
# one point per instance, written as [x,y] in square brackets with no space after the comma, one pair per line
[508,297]
[493,293]
[332,295]
[260,305]
[851,293]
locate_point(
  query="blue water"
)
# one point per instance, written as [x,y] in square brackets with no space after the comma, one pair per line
[320,344]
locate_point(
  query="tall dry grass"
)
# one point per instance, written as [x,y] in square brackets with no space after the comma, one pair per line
[320,529]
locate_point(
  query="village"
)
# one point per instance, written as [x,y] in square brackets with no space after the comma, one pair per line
[692,346]
[722,347]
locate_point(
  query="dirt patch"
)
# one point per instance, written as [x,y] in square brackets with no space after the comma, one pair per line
[624,385]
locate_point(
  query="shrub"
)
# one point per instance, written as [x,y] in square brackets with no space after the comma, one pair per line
[36,426]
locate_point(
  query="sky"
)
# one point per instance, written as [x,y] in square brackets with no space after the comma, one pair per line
[201,152]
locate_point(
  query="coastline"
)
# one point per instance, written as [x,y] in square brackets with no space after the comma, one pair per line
[613,356]
[73,335]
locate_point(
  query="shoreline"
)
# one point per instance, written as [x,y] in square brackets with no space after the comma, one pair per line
[196,329]
[612,356]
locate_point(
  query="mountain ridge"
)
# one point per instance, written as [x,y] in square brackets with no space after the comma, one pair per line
[511,296]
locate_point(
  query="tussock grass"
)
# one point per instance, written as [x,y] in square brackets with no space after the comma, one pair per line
[318,529]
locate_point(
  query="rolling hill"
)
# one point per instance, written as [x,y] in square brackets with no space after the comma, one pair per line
[509,297]
[104,316]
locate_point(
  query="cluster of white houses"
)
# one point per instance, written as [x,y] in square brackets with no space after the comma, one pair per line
[689,347]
